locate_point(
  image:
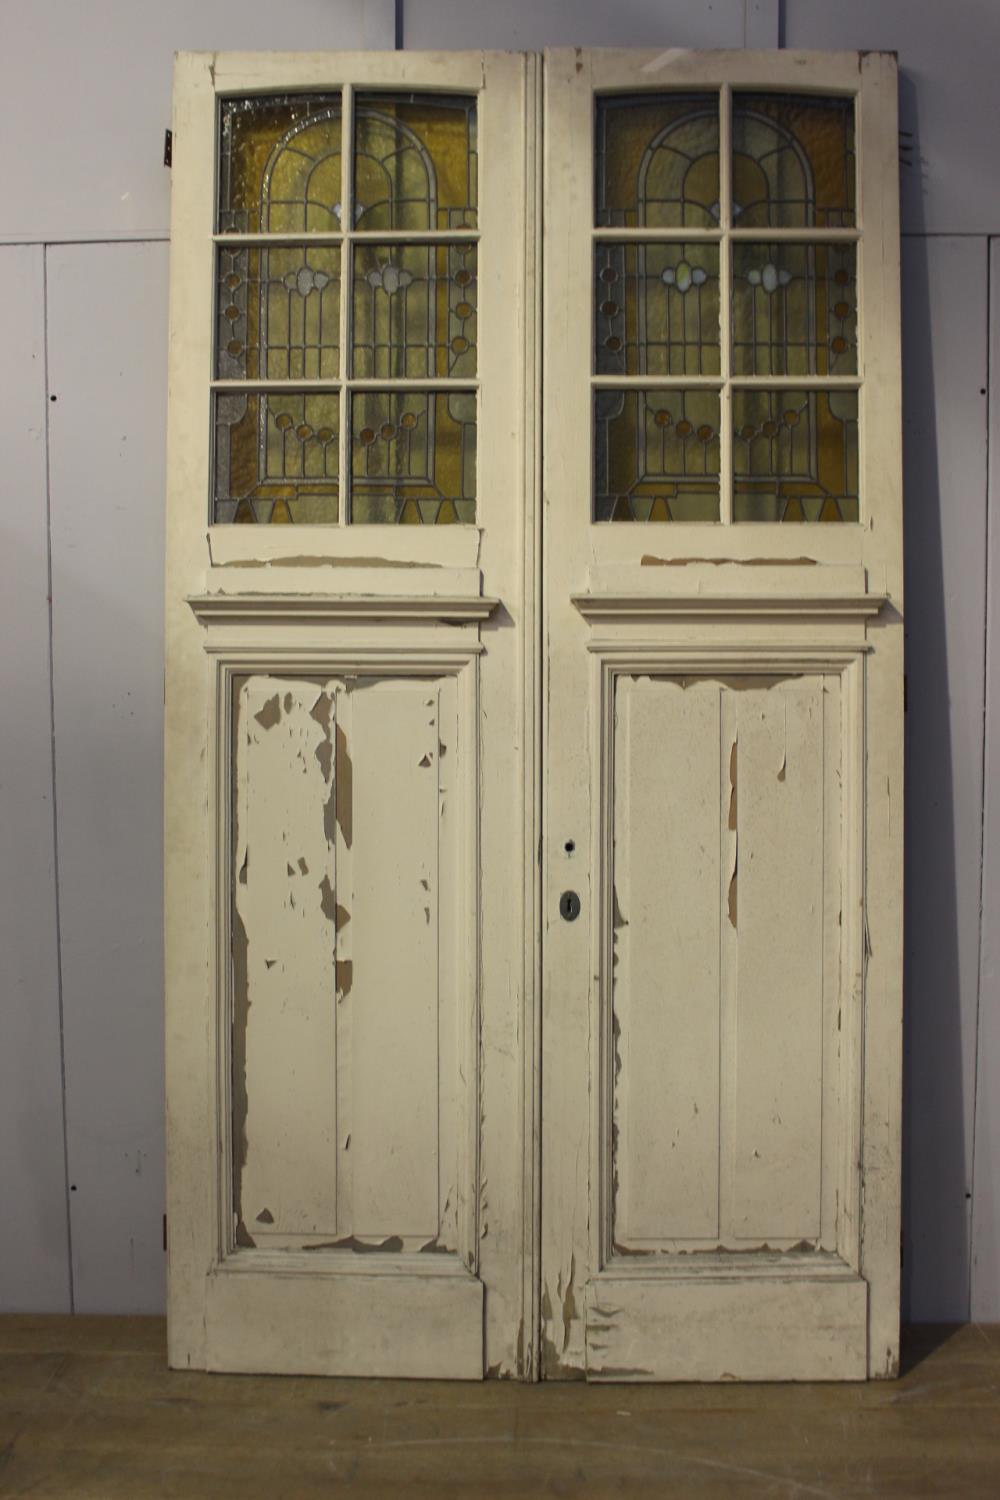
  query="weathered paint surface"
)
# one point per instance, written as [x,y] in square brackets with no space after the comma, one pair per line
[722,864]
[345,1037]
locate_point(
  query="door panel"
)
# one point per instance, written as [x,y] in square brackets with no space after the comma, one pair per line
[720,1044]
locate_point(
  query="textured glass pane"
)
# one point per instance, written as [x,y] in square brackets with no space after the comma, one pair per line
[413,457]
[793,160]
[657,160]
[415,163]
[414,310]
[279,312]
[656,309]
[656,455]
[279,168]
[795,455]
[276,456]
[794,310]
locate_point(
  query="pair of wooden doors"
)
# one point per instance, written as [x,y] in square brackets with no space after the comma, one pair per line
[534,716]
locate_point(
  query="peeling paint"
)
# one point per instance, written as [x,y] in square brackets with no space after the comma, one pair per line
[265,1216]
[327,902]
[244,1239]
[392,1245]
[345,977]
[732,823]
[344,793]
[270,714]
[648,561]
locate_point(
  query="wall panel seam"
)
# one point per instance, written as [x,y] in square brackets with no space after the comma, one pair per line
[52,754]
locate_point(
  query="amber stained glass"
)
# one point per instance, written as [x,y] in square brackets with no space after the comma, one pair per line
[413,457]
[793,161]
[657,160]
[795,455]
[415,161]
[414,311]
[656,309]
[794,309]
[278,312]
[276,456]
[656,455]
[279,168]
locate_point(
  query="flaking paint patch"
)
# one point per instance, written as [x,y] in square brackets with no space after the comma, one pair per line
[392,1245]
[244,1239]
[241,1009]
[732,824]
[270,715]
[265,1216]
[327,902]
[648,561]
[344,791]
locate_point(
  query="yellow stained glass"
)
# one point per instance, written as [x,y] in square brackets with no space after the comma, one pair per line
[657,160]
[414,311]
[278,312]
[280,168]
[656,455]
[795,455]
[276,456]
[413,457]
[794,309]
[656,309]
[415,161]
[793,161]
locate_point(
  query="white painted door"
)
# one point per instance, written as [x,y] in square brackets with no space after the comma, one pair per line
[723,718]
[349,700]
[371,827]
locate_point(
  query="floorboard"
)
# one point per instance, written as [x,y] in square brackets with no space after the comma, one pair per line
[89,1411]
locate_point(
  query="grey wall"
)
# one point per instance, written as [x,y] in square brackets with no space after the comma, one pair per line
[84,100]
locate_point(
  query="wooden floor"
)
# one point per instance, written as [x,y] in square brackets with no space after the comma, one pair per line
[88,1409]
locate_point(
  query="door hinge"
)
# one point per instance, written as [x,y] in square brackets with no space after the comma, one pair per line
[168,148]
[164,1233]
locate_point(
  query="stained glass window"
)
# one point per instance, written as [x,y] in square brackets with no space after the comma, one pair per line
[336,269]
[754,298]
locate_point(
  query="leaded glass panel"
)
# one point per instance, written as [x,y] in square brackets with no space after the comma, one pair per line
[657,160]
[656,309]
[278,312]
[279,168]
[415,161]
[276,456]
[656,455]
[793,161]
[414,310]
[795,455]
[413,457]
[794,309]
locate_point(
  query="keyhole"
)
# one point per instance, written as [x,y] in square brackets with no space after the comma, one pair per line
[569,906]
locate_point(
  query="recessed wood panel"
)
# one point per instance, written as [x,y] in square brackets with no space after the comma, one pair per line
[725,961]
[347,922]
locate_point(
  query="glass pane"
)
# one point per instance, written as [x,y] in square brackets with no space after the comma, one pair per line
[415,163]
[413,457]
[278,312]
[656,309]
[793,160]
[656,455]
[794,310]
[276,456]
[795,455]
[279,169]
[657,160]
[414,310]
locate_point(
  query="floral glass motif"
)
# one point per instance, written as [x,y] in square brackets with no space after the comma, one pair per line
[795,455]
[411,310]
[278,312]
[794,309]
[656,309]
[793,161]
[413,457]
[415,161]
[276,456]
[657,160]
[656,455]
[414,310]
